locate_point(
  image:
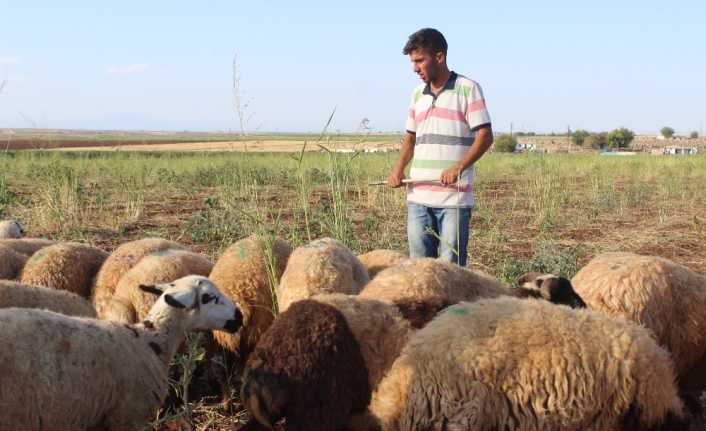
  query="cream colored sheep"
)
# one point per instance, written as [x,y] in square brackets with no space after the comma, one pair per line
[69,266]
[662,296]
[324,266]
[11,229]
[11,263]
[528,365]
[377,260]
[27,246]
[241,273]
[13,294]
[65,373]
[120,262]
[130,304]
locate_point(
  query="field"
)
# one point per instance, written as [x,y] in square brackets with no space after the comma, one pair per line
[533,212]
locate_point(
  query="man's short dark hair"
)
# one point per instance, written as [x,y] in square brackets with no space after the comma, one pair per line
[426,39]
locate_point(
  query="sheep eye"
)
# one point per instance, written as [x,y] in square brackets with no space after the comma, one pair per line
[206,298]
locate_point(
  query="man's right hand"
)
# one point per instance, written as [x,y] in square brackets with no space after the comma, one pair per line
[395,180]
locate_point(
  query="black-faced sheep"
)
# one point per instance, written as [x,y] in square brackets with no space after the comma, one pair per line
[11,229]
[324,266]
[19,295]
[322,358]
[62,373]
[378,260]
[11,263]
[528,365]
[130,304]
[69,266]
[120,262]
[662,296]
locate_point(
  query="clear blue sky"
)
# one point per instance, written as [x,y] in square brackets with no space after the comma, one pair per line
[542,65]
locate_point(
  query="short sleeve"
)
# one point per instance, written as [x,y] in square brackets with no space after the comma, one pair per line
[411,118]
[476,113]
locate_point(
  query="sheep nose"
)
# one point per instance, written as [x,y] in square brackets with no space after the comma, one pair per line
[234,324]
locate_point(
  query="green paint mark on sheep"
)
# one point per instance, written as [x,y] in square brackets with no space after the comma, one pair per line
[242,251]
[461,311]
[39,256]
[162,253]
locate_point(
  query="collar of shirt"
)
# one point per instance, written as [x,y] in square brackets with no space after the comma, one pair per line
[450,83]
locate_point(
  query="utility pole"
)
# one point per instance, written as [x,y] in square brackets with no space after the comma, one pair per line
[568,137]
[510,129]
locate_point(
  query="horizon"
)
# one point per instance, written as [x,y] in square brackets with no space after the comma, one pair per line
[168,66]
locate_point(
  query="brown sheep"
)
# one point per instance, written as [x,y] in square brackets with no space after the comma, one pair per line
[13,294]
[11,263]
[27,246]
[377,260]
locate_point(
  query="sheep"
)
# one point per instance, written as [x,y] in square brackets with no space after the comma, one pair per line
[506,363]
[322,358]
[11,263]
[67,373]
[11,229]
[27,246]
[324,266]
[662,296]
[69,266]
[13,294]
[120,262]
[377,260]
[421,277]
[130,304]
[241,273]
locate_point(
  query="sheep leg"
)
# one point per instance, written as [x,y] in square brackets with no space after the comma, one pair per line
[253,425]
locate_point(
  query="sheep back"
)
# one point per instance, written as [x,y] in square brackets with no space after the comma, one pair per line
[378,260]
[70,364]
[19,295]
[130,304]
[423,277]
[120,262]
[241,273]
[69,266]
[511,364]
[27,246]
[656,293]
[11,263]
[324,266]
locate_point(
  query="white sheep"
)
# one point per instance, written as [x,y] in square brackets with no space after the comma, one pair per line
[662,296]
[69,266]
[120,262]
[130,304]
[64,373]
[324,266]
[11,229]
[13,294]
[528,365]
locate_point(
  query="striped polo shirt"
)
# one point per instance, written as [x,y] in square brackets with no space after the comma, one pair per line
[445,126]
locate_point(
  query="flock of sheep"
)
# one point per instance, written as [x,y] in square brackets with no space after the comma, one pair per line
[370,342]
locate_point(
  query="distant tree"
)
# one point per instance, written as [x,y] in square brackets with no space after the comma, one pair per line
[520,133]
[694,135]
[667,132]
[596,140]
[579,136]
[505,143]
[531,134]
[620,138]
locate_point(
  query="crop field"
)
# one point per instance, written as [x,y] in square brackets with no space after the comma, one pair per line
[548,213]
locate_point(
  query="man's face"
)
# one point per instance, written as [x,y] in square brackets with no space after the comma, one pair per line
[427,66]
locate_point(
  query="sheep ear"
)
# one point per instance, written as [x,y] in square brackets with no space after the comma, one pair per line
[157,289]
[180,299]
[559,290]
[530,276]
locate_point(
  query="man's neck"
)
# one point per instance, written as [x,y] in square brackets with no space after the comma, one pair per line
[436,85]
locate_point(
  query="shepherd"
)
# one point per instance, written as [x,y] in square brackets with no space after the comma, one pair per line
[448,130]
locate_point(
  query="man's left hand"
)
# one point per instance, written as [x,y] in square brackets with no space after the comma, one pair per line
[450,175]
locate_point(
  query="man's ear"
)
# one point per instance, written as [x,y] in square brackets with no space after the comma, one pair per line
[440,57]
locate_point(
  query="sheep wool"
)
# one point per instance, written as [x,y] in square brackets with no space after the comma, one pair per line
[377,260]
[13,294]
[523,365]
[68,373]
[11,263]
[324,266]
[321,359]
[130,304]
[241,273]
[422,277]
[11,229]
[27,246]
[120,262]
[69,266]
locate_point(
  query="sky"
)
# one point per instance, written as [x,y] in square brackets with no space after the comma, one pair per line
[168,65]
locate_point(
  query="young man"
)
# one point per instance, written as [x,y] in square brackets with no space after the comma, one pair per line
[448,130]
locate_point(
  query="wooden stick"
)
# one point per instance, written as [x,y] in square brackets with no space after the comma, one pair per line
[405,181]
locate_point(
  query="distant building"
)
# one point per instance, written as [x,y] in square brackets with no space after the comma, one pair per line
[522,146]
[679,150]
[377,150]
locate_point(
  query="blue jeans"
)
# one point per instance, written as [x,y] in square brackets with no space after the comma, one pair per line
[450,224]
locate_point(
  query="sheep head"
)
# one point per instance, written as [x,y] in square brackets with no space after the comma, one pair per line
[557,290]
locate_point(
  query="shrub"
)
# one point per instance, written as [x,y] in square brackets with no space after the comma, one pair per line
[620,138]
[667,132]
[505,143]
[596,140]
[579,136]
[694,135]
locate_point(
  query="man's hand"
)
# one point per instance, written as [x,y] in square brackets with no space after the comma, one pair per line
[395,180]
[451,175]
